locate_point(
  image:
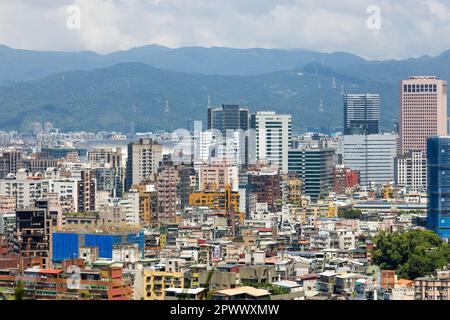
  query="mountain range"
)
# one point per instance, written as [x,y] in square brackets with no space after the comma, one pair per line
[155,87]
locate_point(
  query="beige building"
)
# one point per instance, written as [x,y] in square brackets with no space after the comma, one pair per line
[142,162]
[216,176]
[423,111]
[155,283]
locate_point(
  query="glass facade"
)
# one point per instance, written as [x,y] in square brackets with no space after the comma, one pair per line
[361,114]
[438,161]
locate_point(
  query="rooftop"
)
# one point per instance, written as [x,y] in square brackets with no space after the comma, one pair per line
[244,290]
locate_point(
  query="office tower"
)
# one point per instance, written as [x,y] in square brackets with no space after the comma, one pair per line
[142,162]
[273,138]
[87,187]
[361,113]
[10,162]
[228,117]
[411,171]
[438,160]
[371,155]
[33,233]
[423,112]
[315,167]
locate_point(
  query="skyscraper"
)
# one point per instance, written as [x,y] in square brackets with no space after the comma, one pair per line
[315,167]
[372,155]
[142,162]
[273,137]
[361,113]
[228,117]
[438,160]
[423,112]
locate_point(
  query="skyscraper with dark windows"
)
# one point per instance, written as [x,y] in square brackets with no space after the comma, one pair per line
[228,117]
[361,114]
[438,163]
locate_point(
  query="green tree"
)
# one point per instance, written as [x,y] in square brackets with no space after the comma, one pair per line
[350,213]
[412,254]
[19,291]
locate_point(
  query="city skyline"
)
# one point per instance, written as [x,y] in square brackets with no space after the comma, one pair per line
[278,177]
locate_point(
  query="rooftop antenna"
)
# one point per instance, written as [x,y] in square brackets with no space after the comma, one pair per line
[209,101]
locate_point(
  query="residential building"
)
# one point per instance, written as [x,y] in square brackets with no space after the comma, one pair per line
[411,171]
[142,162]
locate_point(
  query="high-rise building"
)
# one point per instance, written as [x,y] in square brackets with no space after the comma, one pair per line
[361,113]
[438,160]
[142,162]
[372,155]
[23,186]
[10,162]
[228,117]
[217,175]
[315,167]
[87,188]
[423,112]
[106,157]
[33,233]
[411,171]
[166,189]
[273,138]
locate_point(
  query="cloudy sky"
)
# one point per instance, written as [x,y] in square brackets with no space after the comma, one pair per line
[409,28]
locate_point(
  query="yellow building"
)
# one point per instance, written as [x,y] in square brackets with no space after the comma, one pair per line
[226,200]
[147,203]
[388,192]
[155,283]
[293,189]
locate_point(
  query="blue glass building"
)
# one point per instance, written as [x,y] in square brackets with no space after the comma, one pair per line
[438,163]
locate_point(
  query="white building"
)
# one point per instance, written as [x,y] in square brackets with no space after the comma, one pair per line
[411,171]
[130,205]
[273,137]
[24,186]
[372,155]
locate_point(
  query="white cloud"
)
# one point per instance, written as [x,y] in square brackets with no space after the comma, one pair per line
[409,28]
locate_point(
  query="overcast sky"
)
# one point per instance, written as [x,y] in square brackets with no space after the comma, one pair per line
[409,28]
